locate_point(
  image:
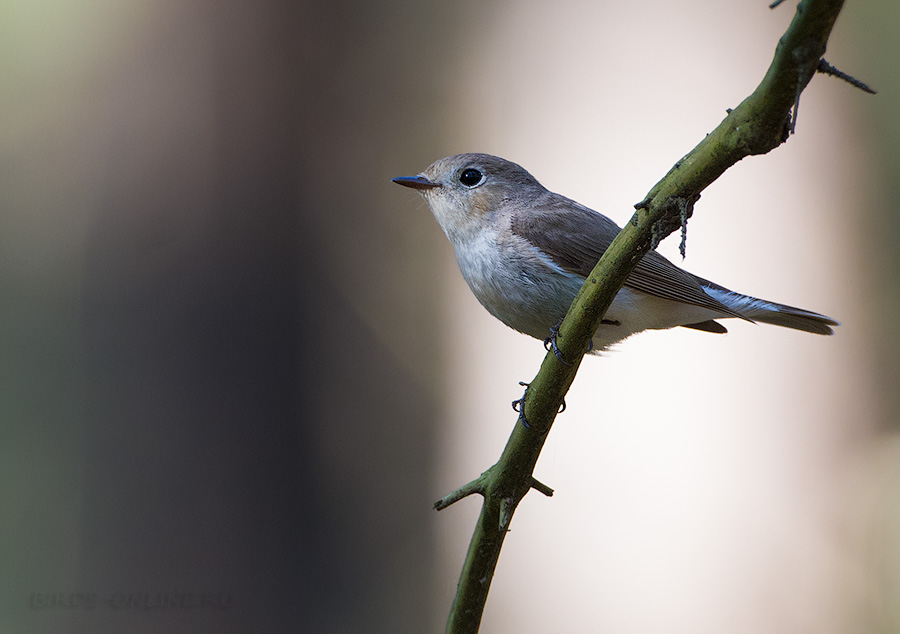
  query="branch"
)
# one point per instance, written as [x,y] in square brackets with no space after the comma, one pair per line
[762,122]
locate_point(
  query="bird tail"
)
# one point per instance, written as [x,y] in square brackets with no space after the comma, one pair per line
[768,312]
[796,318]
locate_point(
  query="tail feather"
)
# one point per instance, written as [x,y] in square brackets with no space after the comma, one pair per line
[796,318]
[776,314]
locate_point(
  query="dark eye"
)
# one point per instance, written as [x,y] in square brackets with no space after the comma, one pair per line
[470,177]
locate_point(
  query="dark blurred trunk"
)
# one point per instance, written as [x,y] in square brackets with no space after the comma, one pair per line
[258,387]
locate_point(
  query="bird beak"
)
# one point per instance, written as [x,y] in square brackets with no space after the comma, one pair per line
[416,182]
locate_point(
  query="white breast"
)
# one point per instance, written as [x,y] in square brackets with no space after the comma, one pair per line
[516,282]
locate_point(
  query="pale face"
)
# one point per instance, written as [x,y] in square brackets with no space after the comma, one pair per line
[466,189]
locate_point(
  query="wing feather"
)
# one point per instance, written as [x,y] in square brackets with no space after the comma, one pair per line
[575,237]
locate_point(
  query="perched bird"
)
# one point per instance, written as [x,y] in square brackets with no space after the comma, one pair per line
[525,252]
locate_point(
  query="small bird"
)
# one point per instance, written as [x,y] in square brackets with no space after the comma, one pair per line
[525,252]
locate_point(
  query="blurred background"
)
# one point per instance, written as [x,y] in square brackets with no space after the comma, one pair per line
[238,364]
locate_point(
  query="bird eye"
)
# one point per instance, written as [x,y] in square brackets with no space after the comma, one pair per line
[471,177]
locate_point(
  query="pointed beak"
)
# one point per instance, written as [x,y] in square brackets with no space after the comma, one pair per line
[416,182]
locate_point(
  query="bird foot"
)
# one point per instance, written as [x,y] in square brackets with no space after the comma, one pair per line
[550,342]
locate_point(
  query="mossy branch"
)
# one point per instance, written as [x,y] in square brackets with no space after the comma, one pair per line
[762,122]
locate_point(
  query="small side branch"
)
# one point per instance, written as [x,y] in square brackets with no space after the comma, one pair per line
[541,487]
[475,486]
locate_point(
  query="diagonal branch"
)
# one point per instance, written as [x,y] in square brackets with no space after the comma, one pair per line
[762,122]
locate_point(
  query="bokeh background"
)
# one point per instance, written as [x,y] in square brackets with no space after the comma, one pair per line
[237,364]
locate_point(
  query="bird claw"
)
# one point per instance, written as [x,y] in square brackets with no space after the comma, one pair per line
[550,342]
[518,405]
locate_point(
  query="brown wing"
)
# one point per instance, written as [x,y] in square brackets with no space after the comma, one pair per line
[575,237]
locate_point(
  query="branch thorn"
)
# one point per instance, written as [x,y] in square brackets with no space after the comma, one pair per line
[827,69]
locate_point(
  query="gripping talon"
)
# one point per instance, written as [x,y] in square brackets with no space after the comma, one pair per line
[518,405]
[550,342]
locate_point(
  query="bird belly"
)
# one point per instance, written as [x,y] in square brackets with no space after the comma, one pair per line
[634,311]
